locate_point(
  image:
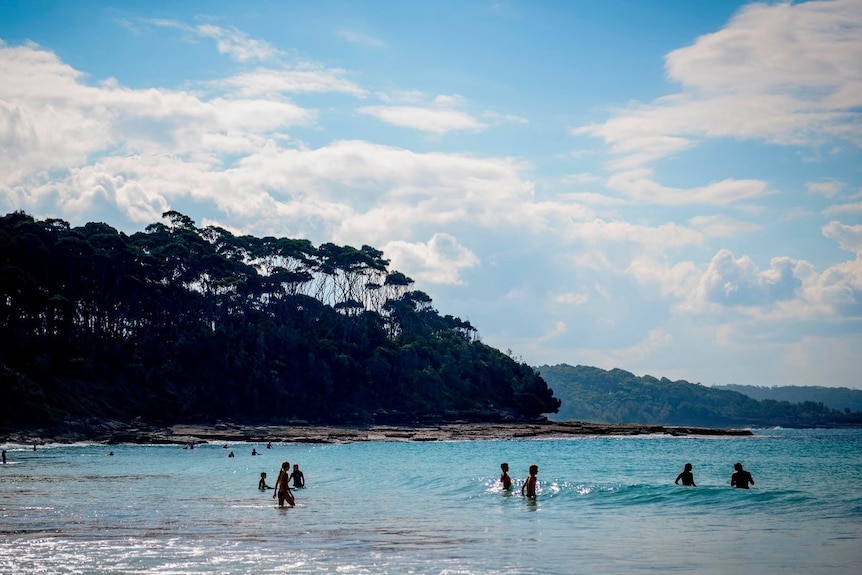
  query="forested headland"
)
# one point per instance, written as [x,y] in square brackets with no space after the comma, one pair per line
[840,398]
[610,396]
[180,323]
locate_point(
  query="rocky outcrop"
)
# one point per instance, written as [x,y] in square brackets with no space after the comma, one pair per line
[302,432]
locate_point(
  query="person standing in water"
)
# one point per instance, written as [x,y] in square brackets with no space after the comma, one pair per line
[686,476]
[740,478]
[262,483]
[282,487]
[297,477]
[504,477]
[528,489]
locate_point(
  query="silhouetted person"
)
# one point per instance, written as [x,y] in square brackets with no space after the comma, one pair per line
[740,478]
[686,476]
[4,457]
[231,454]
[282,487]
[298,477]
[504,477]
[529,487]
[254,451]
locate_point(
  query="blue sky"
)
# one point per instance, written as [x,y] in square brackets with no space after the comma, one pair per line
[669,187]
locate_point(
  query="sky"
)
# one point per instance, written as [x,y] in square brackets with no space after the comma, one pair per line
[669,187]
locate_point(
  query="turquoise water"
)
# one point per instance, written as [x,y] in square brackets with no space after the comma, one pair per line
[605,505]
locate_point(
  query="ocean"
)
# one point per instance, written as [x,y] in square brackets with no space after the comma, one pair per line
[605,505]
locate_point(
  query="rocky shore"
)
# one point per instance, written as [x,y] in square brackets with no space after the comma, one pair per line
[116,432]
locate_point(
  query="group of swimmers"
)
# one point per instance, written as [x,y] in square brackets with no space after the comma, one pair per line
[282,484]
[528,488]
[740,478]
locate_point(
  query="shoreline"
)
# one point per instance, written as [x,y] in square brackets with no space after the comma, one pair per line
[113,433]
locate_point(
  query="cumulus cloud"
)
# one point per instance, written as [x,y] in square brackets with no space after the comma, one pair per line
[438,261]
[783,73]
[738,282]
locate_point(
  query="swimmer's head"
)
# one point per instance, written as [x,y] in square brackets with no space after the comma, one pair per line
[688,466]
[263,474]
[737,466]
[534,469]
[504,466]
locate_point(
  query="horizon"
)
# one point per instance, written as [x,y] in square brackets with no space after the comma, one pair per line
[671,189]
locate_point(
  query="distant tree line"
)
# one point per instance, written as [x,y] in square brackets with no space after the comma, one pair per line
[617,396]
[840,398]
[180,323]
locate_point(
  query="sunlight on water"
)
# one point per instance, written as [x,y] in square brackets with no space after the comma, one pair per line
[605,505]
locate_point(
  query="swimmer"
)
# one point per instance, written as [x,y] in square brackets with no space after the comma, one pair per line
[282,489]
[269,445]
[528,489]
[686,476]
[254,451]
[298,477]
[231,454]
[504,477]
[740,478]
[262,483]
[4,457]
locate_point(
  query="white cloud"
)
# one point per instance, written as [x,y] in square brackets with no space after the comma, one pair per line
[438,261]
[609,359]
[269,82]
[639,186]
[499,119]
[237,44]
[570,298]
[850,208]
[361,39]
[848,237]
[781,73]
[722,226]
[655,238]
[731,281]
[828,188]
[434,120]
[230,41]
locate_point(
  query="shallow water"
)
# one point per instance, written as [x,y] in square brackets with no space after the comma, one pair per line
[605,505]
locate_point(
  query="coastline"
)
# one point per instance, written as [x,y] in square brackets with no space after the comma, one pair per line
[117,433]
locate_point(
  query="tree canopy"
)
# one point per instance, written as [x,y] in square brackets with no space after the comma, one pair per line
[179,322]
[614,396]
